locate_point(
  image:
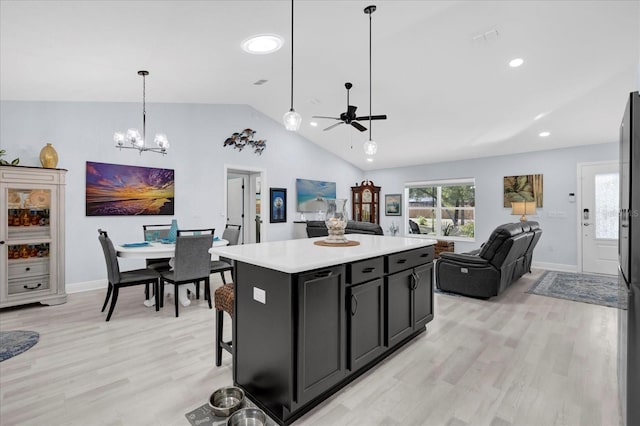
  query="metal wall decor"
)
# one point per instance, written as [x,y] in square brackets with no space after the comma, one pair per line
[240,140]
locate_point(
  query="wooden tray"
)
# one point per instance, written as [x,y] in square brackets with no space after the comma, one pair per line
[345,244]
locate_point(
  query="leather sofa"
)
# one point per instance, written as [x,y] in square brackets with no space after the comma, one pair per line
[488,271]
[317,228]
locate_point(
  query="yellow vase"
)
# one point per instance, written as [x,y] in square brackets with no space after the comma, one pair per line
[48,157]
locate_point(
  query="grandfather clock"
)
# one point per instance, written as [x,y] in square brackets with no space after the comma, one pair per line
[365,202]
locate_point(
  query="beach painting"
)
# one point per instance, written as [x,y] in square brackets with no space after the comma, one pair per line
[118,190]
[313,194]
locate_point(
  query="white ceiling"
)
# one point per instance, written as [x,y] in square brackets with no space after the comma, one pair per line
[447,95]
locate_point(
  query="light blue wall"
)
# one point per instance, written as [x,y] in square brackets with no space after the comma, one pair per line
[558,246]
[83,132]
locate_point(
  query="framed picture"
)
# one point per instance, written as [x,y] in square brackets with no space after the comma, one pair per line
[278,202]
[118,190]
[312,195]
[392,204]
[522,188]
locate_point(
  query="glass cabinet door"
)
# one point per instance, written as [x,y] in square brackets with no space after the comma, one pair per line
[28,239]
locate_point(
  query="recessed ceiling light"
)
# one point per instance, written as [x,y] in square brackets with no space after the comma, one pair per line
[369,159]
[313,124]
[515,63]
[539,116]
[262,44]
[543,134]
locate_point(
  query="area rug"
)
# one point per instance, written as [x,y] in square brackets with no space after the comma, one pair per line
[13,343]
[594,289]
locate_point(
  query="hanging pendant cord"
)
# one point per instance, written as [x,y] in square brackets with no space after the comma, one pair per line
[291,55]
[370,75]
[144,109]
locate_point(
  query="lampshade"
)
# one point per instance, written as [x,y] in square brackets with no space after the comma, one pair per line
[523,208]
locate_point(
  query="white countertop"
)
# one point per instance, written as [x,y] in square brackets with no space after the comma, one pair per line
[292,256]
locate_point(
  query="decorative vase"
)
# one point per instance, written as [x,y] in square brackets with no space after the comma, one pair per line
[48,157]
[336,220]
[173,231]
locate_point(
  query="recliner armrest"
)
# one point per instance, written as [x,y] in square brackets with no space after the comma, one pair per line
[464,258]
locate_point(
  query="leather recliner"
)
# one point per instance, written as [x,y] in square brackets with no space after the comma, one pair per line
[486,272]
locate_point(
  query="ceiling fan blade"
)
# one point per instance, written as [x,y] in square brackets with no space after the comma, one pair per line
[332,126]
[322,116]
[358,126]
[373,117]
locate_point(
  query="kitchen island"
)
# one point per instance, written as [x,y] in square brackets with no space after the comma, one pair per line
[309,319]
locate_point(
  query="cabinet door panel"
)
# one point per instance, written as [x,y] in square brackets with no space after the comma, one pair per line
[322,332]
[366,323]
[423,295]
[398,308]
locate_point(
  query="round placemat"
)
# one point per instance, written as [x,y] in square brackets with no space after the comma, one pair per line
[345,244]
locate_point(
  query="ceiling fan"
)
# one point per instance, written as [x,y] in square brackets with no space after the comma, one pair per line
[349,117]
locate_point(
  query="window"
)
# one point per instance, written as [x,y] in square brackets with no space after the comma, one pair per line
[442,209]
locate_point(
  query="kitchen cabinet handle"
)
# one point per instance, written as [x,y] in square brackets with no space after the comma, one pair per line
[368,270]
[425,255]
[1,243]
[401,261]
[33,288]
[27,269]
[354,304]
[324,274]
[415,281]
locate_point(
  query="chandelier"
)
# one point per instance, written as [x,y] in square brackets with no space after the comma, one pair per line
[132,138]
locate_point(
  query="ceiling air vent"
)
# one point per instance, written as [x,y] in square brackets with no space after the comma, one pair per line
[260,82]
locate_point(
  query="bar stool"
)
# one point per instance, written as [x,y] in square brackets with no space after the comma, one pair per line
[223,299]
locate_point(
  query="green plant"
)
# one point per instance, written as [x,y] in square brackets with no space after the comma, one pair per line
[468,229]
[421,220]
[447,228]
[14,162]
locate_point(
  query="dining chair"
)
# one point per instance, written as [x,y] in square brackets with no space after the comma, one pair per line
[118,279]
[191,263]
[152,233]
[231,233]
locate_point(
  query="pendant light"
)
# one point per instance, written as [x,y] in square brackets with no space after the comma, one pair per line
[291,118]
[133,136]
[370,146]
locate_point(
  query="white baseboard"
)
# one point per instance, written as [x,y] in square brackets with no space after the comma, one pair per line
[555,266]
[85,286]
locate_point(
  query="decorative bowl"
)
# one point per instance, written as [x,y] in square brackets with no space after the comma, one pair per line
[248,417]
[225,401]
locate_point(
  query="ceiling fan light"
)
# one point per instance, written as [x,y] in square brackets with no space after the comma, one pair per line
[292,120]
[370,147]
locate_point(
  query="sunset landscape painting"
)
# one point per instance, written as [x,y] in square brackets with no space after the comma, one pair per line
[118,190]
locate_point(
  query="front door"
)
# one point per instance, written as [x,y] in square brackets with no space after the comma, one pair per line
[599,218]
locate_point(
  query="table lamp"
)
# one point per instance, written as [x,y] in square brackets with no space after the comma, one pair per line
[523,208]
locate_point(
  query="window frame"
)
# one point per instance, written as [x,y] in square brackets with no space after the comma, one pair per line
[438,208]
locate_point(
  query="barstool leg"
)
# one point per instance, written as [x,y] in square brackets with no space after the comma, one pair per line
[219,317]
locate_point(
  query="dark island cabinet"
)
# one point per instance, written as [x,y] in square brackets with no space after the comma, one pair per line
[366,323]
[321,333]
[299,337]
[409,297]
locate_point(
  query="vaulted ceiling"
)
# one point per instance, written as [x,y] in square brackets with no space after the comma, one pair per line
[440,69]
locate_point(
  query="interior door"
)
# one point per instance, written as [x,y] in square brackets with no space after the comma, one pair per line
[235,203]
[599,218]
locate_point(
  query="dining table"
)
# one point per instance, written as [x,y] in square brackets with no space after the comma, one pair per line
[160,250]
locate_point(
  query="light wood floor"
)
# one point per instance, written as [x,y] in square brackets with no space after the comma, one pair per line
[517,359]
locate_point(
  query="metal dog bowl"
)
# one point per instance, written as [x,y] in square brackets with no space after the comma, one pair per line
[226,401]
[248,417]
